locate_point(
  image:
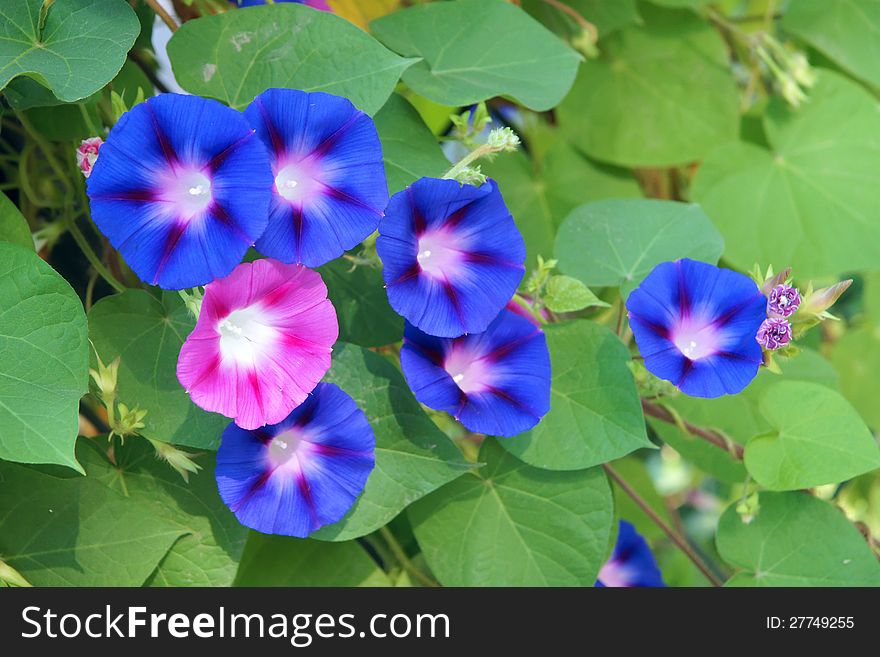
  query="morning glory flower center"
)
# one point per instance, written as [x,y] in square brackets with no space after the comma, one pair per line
[695,340]
[283,447]
[295,182]
[470,373]
[438,252]
[191,190]
[244,334]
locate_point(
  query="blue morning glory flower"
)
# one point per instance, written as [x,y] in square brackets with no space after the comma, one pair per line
[181,189]
[496,382]
[452,255]
[303,473]
[695,325]
[632,563]
[330,188]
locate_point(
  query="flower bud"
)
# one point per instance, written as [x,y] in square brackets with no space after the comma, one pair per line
[471,176]
[801,70]
[105,379]
[774,333]
[783,300]
[503,139]
[179,460]
[129,422]
[87,154]
[818,302]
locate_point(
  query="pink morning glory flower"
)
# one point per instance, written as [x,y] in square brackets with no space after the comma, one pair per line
[261,344]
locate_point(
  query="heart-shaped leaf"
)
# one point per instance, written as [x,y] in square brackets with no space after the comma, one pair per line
[595,413]
[147,333]
[618,242]
[73,47]
[796,540]
[808,201]
[816,438]
[413,457]
[43,360]
[461,64]
[235,56]
[514,525]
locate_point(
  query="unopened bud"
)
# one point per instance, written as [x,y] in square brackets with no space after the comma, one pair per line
[179,460]
[818,302]
[87,154]
[783,300]
[471,176]
[585,43]
[503,139]
[105,377]
[791,91]
[801,70]
[774,333]
[129,422]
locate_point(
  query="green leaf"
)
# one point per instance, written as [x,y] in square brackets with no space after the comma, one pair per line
[515,525]
[856,355]
[796,540]
[64,122]
[737,416]
[365,317]
[410,150]
[413,457]
[595,412]
[78,532]
[147,334]
[43,360]
[816,438]
[660,94]
[78,50]
[13,226]
[473,50]
[606,16]
[809,202]
[283,561]
[234,56]
[845,31]
[208,552]
[680,3]
[540,195]
[619,242]
[565,294]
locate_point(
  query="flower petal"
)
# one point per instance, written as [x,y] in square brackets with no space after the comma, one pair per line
[302,473]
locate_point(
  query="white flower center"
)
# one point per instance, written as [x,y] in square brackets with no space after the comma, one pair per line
[245,335]
[193,192]
[439,253]
[295,182]
[283,447]
[695,341]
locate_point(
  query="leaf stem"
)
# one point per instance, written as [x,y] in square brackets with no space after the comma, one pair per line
[468,159]
[90,254]
[679,541]
[582,22]
[400,554]
[164,15]
[659,412]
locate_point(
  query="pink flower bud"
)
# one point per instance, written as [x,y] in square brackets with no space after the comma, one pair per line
[783,300]
[774,333]
[87,154]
